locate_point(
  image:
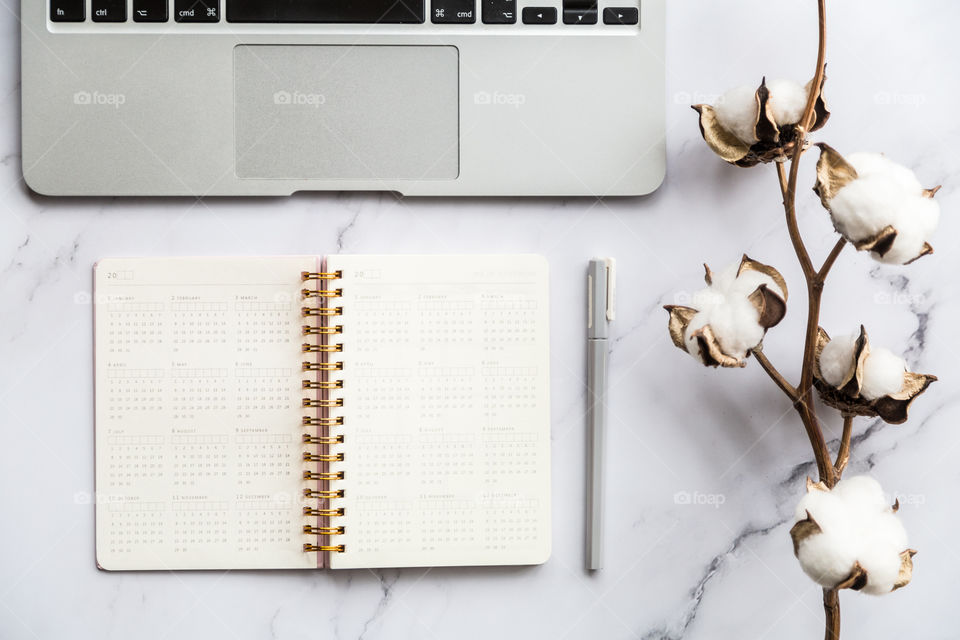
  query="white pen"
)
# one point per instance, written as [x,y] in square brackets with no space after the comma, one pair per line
[601,290]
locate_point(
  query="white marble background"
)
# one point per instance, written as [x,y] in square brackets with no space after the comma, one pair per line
[674,570]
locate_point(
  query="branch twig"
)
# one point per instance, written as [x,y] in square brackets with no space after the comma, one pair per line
[775,375]
[843,454]
[828,263]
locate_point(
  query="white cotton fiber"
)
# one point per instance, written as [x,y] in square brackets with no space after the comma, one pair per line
[867,163]
[882,373]
[787,100]
[828,559]
[864,207]
[837,358]
[885,194]
[857,526]
[734,323]
[861,494]
[725,306]
[737,112]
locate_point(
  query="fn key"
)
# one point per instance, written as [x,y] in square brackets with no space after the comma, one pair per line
[67,10]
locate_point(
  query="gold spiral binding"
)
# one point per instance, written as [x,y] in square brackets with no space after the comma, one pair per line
[309,421]
[326,457]
[321,275]
[310,402]
[324,494]
[322,366]
[322,331]
[324,531]
[339,548]
[309,439]
[321,293]
[323,475]
[323,384]
[322,313]
[321,348]
[307,511]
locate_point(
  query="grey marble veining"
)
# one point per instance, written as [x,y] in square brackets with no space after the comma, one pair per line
[676,568]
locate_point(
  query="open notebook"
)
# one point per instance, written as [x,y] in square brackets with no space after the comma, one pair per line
[302,412]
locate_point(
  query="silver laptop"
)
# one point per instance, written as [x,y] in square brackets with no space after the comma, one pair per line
[273,97]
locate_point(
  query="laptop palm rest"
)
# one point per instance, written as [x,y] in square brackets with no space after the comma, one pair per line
[332,112]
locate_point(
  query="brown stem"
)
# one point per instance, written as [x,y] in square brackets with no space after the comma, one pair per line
[828,263]
[831,608]
[828,472]
[843,454]
[814,279]
[775,375]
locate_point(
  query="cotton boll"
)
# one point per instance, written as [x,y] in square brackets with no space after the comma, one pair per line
[827,559]
[826,508]
[707,299]
[862,495]
[725,279]
[856,526]
[748,281]
[787,100]
[882,565]
[917,219]
[882,374]
[736,326]
[922,212]
[737,112]
[877,164]
[906,246]
[865,206]
[836,358]
[888,530]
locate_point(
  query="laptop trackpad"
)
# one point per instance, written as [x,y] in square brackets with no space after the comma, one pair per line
[330,112]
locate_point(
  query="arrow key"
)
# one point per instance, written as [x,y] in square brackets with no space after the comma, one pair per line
[539,15]
[621,15]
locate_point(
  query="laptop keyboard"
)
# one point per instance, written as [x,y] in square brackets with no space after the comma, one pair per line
[572,12]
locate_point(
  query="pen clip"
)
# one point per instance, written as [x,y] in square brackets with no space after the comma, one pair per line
[611,271]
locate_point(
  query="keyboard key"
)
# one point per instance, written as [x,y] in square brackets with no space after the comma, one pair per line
[499,11]
[318,11]
[196,10]
[67,10]
[453,11]
[539,15]
[621,15]
[108,10]
[150,11]
[579,12]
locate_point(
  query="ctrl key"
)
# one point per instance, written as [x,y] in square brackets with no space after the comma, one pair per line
[67,10]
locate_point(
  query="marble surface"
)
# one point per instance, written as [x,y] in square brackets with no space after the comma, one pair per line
[704,466]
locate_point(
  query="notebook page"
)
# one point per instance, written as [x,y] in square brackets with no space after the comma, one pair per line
[446,411]
[198,412]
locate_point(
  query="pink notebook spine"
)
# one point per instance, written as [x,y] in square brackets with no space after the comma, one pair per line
[321,331]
